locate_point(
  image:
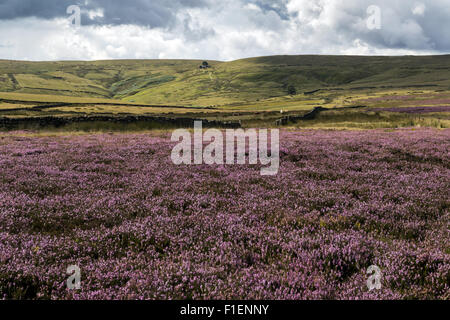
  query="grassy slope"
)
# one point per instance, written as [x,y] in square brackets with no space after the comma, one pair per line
[252,90]
[237,82]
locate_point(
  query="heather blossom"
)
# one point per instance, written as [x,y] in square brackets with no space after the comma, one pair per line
[140,227]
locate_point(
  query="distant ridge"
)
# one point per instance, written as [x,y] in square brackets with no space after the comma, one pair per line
[181,82]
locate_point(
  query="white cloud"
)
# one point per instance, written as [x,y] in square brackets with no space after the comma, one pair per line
[98,13]
[234,29]
[419,9]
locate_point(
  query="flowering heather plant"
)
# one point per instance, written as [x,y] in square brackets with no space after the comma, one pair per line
[415,110]
[140,227]
[419,99]
[427,102]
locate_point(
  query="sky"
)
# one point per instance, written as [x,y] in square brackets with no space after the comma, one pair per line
[224,30]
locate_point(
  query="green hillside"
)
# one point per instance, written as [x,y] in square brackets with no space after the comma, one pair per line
[181,82]
[349,91]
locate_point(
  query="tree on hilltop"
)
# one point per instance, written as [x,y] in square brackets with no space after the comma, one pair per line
[291,90]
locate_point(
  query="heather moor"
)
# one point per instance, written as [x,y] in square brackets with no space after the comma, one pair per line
[241,150]
[141,227]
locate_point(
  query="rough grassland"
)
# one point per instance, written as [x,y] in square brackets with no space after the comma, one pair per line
[241,81]
[259,92]
[140,227]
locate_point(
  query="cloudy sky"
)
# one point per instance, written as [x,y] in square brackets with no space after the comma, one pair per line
[220,29]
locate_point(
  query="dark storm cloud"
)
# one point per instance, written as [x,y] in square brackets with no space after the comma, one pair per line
[12,9]
[437,28]
[139,12]
[220,29]
[277,6]
[402,26]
